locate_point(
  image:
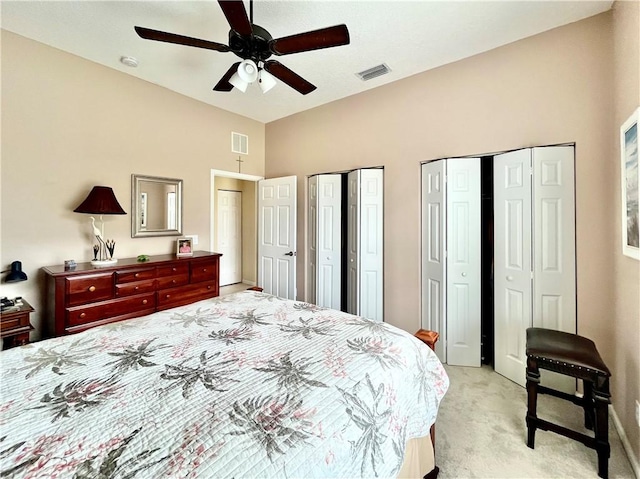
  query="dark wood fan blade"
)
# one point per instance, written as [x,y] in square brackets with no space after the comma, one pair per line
[223,84]
[314,40]
[149,34]
[289,77]
[236,15]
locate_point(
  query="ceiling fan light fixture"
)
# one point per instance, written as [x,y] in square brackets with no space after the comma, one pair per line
[238,82]
[266,80]
[248,71]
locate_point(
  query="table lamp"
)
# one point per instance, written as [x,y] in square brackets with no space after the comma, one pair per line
[101,201]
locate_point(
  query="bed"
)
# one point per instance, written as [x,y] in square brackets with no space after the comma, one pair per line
[244,385]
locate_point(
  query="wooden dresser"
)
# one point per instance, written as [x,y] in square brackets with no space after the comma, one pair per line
[87,296]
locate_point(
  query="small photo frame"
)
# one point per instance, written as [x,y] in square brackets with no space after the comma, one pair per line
[184,247]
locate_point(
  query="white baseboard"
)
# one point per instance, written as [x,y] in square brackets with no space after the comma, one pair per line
[246,281]
[625,442]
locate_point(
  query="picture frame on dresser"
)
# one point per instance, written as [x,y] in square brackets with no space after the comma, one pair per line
[184,246]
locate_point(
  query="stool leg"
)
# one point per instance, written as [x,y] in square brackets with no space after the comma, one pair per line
[588,404]
[602,399]
[533,379]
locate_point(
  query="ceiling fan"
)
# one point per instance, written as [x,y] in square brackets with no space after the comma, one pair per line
[255,45]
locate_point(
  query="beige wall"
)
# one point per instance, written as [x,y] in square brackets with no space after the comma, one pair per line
[69,124]
[552,88]
[625,311]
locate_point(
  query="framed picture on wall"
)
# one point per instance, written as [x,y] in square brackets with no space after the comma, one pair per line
[629,176]
[184,247]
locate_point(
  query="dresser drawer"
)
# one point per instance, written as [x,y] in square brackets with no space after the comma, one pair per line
[14,321]
[173,281]
[130,276]
[173,270]
[204,271]
[89,288]
[87,314]
[186,294]
[139,287]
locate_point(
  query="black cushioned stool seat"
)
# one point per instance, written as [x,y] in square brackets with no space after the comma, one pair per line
[574,356]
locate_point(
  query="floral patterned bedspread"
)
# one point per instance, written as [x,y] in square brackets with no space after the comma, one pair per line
[245,385]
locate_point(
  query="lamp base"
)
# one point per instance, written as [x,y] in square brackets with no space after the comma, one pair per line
[103,262]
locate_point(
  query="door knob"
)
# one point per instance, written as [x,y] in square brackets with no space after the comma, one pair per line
[290,253]
[464,275]
[509,278]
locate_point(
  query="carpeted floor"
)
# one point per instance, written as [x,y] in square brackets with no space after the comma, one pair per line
[481,433]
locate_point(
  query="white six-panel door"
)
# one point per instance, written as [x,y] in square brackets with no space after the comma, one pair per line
[325,197]
[312,233]
[512,261]
[277,236]
[230,236]
[365,243]
[463,262]
[434,265]
[353,239]
[534,198]
[554,286]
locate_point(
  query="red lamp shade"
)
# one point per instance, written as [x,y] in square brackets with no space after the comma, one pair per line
[101,201]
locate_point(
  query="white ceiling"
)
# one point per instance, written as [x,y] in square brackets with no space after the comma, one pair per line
[409,36]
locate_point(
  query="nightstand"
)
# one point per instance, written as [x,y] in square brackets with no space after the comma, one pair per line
[15,325]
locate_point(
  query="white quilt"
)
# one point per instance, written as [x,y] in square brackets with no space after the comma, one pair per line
[246,385]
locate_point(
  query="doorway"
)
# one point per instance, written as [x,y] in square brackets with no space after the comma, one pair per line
[246,186]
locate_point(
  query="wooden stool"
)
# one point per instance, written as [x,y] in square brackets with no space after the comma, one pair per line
[574,356]
[428,337]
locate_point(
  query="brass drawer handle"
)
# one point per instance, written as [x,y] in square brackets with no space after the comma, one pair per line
[174,269]
[137,275]
[167,296]
[209,287]
[173,281]
[136,288]
[82,315]
[144,301]
[92,289]
[204,270]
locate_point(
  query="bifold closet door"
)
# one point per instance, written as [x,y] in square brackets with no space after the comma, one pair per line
[451,301]
[365,243]
[513,280]
[534,201]
[325,234]
[463,262]
[434,265]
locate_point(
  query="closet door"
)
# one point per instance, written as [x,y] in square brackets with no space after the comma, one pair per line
[554,265]
[463,262]
[353,241]
[328,246]
[365,243]
[312,234]
[434,264]
[512,261]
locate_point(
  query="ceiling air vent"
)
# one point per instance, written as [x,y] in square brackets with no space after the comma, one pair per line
[239,143]
[374,72]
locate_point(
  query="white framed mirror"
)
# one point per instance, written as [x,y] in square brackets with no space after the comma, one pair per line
[156,206]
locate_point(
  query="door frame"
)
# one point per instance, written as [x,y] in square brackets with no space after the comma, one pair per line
[212,200]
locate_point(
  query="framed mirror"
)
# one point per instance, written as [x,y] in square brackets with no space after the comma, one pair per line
[156,206]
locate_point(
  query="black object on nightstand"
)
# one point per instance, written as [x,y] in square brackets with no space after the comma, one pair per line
[15,325]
